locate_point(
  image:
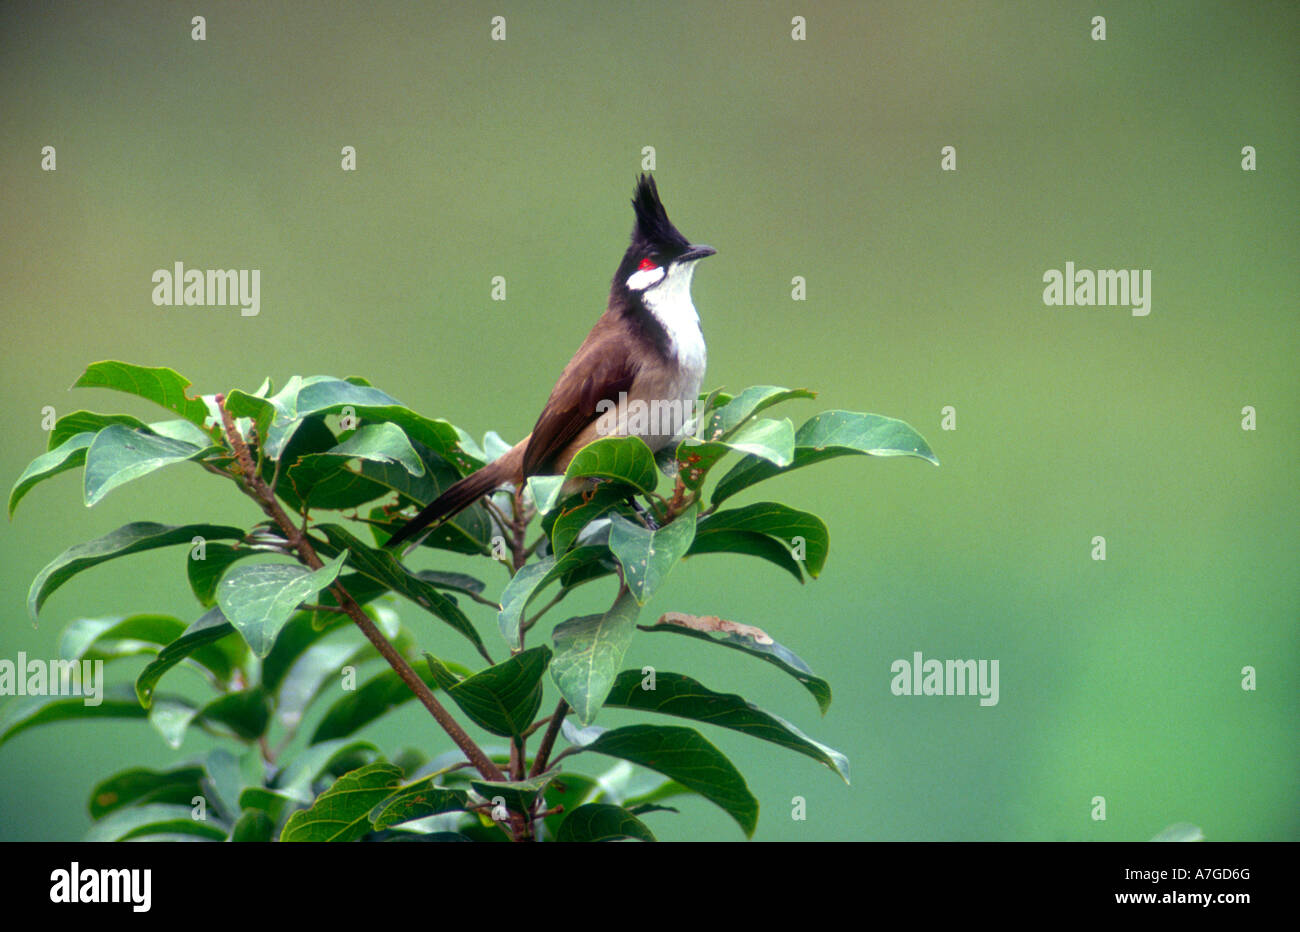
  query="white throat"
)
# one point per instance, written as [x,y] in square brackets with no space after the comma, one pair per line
[670,302]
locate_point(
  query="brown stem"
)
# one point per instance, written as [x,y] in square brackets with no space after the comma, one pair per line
[261,493]
[548,739]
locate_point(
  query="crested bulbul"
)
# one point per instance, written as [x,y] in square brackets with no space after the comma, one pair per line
[646,350]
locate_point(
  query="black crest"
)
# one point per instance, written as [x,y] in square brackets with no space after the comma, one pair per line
[654,232]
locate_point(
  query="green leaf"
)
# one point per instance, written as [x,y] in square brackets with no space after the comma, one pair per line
[153,819]
[321,479]
[327,759]
[766,438]
[368,702]
[517,594]
[81,422]
[749,543]
[602,822]
[259,599]
[749,640]
[623,459]
[384,568]
[253,825]
[244,714]
[110,638]
[797,531]
[503,698]
[647,556]
[273,803]
[342,812]
[532,578]
[518,795]
[418,800]
[69,455]
[380,443]
[466,532]
[129,538]
[588,654]
[140,785]
[728,417]
[569,790]
[41,710]
[119,454]
[224,780]
[302,398]
[206,573]
[581,510]
[546,492]
[311,671]
[675,694]
[159,385]
[826,436]
[684,755]
[197,642]
[294,640]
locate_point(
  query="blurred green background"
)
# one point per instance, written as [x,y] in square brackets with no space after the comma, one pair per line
[817,158]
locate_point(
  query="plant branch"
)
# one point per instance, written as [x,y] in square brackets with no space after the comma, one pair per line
[548,739]
[261,493]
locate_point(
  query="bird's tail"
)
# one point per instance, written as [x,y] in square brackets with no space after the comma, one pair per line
[457,498]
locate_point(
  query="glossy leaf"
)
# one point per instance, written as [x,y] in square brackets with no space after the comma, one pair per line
[159,385]
[141,785]
[749,640]
[647,555]
[383,567]
[504,698]
[589,653]
[80,422]
[828,435]
[796,530]
[766,438]
[368,702]
[579,511]
[531,579]
[109,638]
[602,822]
[153,819]
[119,454]
[676,694]
[750,543]
[41,710]
[329,758]
[259,599]
[206,573]
[684,755]
[518,795]
[253,825]
[130,538]
[623,459]
[418,800]
[728,417]
[342,813]
[69,455]
[198,641]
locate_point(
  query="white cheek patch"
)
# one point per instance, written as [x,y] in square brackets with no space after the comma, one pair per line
[640,281]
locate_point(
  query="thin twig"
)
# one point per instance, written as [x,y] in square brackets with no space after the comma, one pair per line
[548,739]
[261,493]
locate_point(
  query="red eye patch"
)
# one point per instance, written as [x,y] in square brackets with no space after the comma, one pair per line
[646,265]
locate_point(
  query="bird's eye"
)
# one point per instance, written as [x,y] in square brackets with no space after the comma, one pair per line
[646,265]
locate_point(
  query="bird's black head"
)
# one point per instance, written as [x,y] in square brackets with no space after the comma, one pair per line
[656,244]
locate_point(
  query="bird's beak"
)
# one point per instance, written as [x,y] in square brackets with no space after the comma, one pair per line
[696,252]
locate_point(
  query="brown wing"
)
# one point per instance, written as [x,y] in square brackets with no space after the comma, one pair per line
[600,369]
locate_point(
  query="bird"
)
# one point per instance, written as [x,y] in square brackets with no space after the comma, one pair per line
[644,355]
